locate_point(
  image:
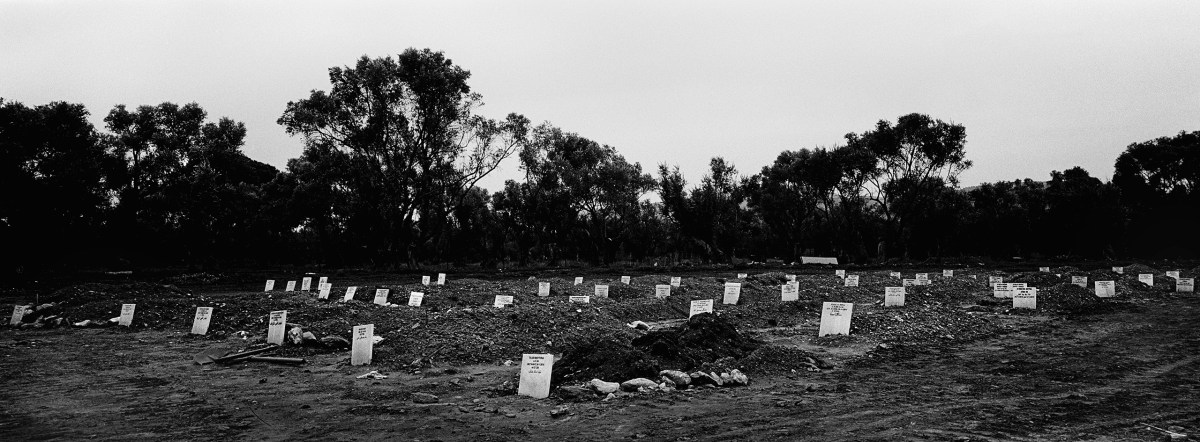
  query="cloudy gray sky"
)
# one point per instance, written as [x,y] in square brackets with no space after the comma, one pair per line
[1040,86]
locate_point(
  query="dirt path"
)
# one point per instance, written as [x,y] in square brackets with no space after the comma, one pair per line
[1096,377]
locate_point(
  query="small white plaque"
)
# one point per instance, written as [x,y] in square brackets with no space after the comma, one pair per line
[381,296]
[700,306]
[270,285]
[349,293]
[742,275]
[993,280]
[580,299]
[947,273]
[625,280]
[441,279]
[502,300]
[18,314]
[1106,289]
[1120,270]
[1003,290]
[908,282]
[1185,285]
[415,298]
[1044,269]
[840,273]
[291,286]
[893,297]
[790,292]
[322,281]
[1173,274]
[201,321]
[676,281]
[1025,298]
[1146,278]
[127,314]
[1079,281]
[363,344]
[425,280]
[895,275]
[578,280]
[790,277]
[835,318]
[601,291]
[662,291]
[851,280]
[306,284]
[325,287]
[535,375]
[1018,285]
[543,289]
[922,278]
[733,291]
[275,326]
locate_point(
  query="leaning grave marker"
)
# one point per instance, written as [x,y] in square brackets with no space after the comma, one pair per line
[349,293]
[18,314]
[535,375]
[502,300]
[415,298]
[733,291]
[1173,274]
[700,306]
[1146,278]
[126,315]
[201,321]
[835,318]
[270,285]
[381,296]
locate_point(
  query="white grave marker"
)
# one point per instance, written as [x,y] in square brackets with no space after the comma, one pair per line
[840,273]
[320,282]
[1079,281]
[742,275]
[441,279]
[895,275]
[835,318]
[625,280]
[893,297]
[126,314]
[349,293]
[1044,269]
[700,306]
[790,292]
[662,291]
[790,277]
[676,281]
[270,285]
[580,299]
[922,279]
[1185,285]
[325,287]
[381,296]
[425,280]
[993,280]
[415,298]
[291,286]
[733,291]
[306,284]
[1119,270]
[275,327]
[908,282]
[1173,274]
[535,375]
[1003,290]
[363,344]
[543,289]
[947,273]
[578,280]
[1106,289]
[852,281]
[1025,298]
[601,291]
[201,321]
[502,300]
[1146,278]
[18,314]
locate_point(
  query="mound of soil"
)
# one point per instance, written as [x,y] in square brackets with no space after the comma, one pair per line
[1036,279]
[704,338]
[773,359]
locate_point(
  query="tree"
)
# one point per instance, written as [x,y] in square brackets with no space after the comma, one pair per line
[793,195]
[1158,180]
[414,145]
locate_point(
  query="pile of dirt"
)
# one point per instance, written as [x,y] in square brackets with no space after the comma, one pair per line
[922,323]
[1071,299]
[1135,269]
[1036,279]
[774,359]
[703,338]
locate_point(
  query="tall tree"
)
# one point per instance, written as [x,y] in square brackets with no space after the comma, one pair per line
[412,139]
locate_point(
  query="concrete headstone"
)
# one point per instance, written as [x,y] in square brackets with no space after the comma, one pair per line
[835,318]
[543,289]
[535,375]
[291,286]
[625,280]
[18,314]
[947,273]
[323,292]
[1146,278]
[676,281]
[1173,274]
[363,344]
[578,280]
[425,280]
[840,273]
[894,275]
[441,279]
[1185,285]
[1119,270]
[893,297]
[275,327]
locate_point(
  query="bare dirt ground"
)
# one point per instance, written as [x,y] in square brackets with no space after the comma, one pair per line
[1103,376]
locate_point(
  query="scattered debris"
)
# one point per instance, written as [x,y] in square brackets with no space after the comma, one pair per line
[373,375]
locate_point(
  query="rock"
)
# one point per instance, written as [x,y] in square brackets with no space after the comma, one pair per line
[309,338]
[737,378]
[667,384]
[295,335]
[424,398]
[638,383]
[725,379]
[604,387]
[573,392]
[701,378]
[716,379]
[680,378]
[610,396]
[559,411]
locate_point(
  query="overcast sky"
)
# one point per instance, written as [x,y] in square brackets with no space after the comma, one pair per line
[1039,85]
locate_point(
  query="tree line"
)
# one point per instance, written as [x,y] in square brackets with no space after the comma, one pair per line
[395,149]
